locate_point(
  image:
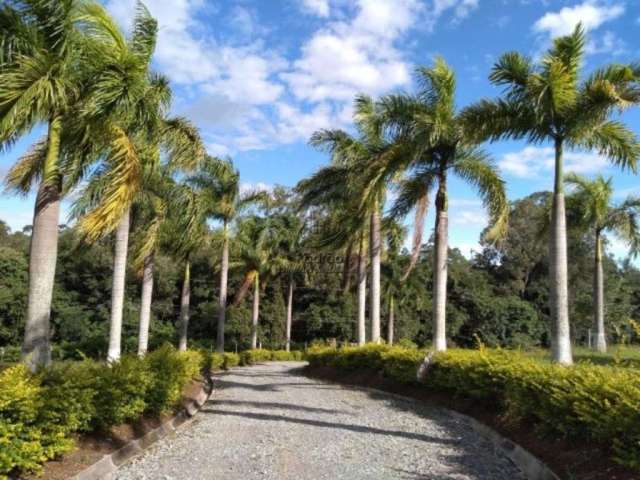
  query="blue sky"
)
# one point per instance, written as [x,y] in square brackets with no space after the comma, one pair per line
[260,76]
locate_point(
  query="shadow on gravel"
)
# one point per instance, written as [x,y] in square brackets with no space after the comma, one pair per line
[339,426]
[274,406]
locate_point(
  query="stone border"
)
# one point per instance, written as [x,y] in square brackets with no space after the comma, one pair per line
[531,466]
[104,468]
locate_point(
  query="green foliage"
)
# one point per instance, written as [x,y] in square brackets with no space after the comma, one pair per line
[586,401]
[582,402]
[251,357]
[230,360]
[397,363]
[39,413]
[170,371]
[215,361]
[122,389]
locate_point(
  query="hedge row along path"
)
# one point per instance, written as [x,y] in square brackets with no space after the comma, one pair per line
[271,422]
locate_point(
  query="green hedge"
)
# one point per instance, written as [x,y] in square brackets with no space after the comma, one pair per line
[583,402]
[39,413]
[251,357]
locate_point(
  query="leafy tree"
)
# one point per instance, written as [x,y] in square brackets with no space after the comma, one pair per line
[549,103]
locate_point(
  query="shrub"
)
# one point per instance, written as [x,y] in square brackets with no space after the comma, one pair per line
[216,361]
[122,390]
[251,357]
[194,363]
[170,372]
[230,360]
[284,356]
[597,403]
[21,441]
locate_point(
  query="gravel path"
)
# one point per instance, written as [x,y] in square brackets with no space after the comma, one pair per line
[270,422]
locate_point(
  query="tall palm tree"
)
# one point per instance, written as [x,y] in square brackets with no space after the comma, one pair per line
[435,145]
[217,184]
[335,189]
[590,204]
[185,231]
[549,102]
[254,258]
[285,237]
[392,271]
[128,129]
[42,76]
[360,157]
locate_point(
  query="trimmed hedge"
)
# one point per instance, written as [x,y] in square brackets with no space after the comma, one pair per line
[39,413]
[251,357]
[582,402]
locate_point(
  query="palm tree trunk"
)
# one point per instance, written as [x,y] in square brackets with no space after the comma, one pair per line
[375,275]
[222,301]
[346,269]
[145,305]
[256,310]
[559,295]
[391,321]
[117,290]
[43,253]
[184,307]
[289,315]
[440,267]
[362,293]
[598,295]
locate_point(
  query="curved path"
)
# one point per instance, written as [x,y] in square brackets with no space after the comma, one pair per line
[270,422]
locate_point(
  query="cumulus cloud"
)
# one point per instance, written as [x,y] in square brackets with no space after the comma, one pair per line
[347,57]
[591,14]
[535,162]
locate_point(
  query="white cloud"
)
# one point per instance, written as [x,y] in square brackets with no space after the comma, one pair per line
[468,217]
[347,57]
[535,162]
[592,14]
[320,8]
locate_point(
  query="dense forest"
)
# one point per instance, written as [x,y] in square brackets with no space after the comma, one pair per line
[498,296]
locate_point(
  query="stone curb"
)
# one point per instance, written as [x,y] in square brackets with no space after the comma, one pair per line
[105,468]
[532,467]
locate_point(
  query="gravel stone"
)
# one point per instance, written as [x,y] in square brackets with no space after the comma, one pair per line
[270,422]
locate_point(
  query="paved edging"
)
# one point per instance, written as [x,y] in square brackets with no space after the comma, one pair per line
[532,467]
[104,468]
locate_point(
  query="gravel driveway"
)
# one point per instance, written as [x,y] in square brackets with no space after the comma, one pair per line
[270,422]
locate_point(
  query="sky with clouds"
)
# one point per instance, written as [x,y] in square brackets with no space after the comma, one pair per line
[258,77]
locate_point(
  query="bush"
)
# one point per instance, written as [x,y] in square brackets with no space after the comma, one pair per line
[22,442]
[170,372]
[581,402]
[230,360]
[122,390]
[215,361]
[284,356]
[592,402]
[39,413]
[251,357]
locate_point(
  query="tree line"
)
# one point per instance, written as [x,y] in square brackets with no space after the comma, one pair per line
[148,198]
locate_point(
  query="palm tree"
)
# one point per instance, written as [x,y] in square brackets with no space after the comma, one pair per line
[435,144]
[549,103]
[335,189]
[254,257]
[128,129]
[42,77]
[285,238]
[217,184]
[360,160]
[392,271]
[591,205]
[184,232]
